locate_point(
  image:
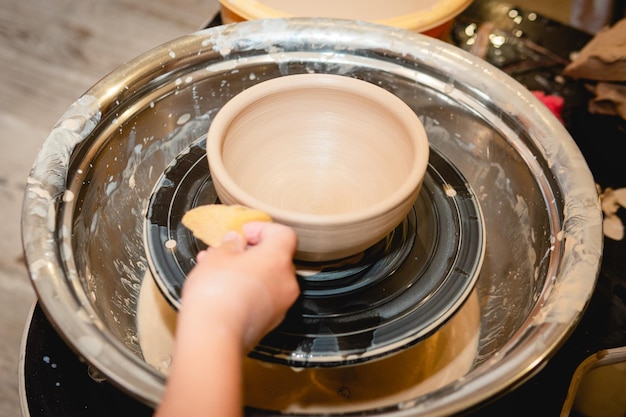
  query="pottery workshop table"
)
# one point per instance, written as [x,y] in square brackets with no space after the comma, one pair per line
[533,50]
[537,50]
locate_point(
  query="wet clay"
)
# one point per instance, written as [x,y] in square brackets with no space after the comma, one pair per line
[603,58]
[438,360]
[602,63]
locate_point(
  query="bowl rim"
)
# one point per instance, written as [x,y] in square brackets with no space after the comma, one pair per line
[359,88]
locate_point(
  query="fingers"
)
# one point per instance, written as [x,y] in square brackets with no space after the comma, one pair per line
[276,235]
[250,277]
[233,241]
[263,236]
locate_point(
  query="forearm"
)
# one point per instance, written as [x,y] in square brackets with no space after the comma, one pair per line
[205,375]
[234,295]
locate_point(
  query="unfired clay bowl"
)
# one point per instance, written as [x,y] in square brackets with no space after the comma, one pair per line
[339,159]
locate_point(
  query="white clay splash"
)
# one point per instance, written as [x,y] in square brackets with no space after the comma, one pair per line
[170,244]
[450,191]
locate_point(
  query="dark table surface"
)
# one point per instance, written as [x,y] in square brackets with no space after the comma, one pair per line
[57,383]
[537,61]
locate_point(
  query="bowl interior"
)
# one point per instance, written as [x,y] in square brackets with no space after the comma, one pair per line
[319,144]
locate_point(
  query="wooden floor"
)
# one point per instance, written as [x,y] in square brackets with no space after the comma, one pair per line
[51,51]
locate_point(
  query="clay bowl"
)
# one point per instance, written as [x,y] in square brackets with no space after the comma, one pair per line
[430,17]
[339,159]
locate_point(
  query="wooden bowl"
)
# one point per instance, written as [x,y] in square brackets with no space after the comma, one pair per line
[338,159]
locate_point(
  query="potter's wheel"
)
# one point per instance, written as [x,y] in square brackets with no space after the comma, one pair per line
[85,204]
[389,297]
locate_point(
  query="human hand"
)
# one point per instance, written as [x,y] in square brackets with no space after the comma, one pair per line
[235,294]
[246,284]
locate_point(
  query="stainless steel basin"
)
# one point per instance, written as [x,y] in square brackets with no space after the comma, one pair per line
[85,202]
